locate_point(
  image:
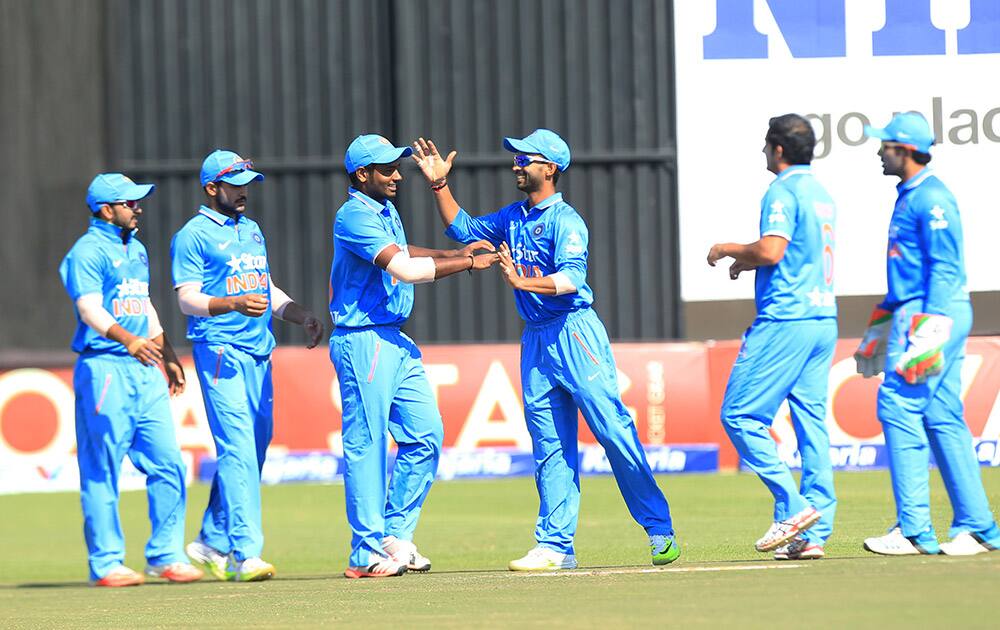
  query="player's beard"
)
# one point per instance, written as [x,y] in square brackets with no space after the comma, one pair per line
[528,184]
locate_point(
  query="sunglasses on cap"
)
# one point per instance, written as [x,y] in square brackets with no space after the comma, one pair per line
[236,167]
[521,160]
[131,204]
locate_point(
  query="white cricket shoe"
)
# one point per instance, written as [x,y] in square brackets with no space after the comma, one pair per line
[896,544]
[543,559]
[249,570]
[405,552]
[782,532]
[964,544]
[208,559]
[799,549]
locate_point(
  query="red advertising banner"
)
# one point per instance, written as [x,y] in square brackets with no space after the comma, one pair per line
[674,391]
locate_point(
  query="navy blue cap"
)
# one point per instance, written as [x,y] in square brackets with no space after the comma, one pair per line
[113,188]
[544,142]
[372,149]
[226,166]
[905,128]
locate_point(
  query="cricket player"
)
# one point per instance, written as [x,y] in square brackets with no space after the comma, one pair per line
[122,402]
[787,351]
[382,381]
[566,359]
[223,283]
[917,335]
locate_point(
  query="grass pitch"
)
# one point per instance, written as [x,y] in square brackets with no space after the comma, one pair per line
[471,529]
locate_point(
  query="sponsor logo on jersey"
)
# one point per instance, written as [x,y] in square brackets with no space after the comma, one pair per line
[938,222]
[777,213]
[247,262]
[574,243]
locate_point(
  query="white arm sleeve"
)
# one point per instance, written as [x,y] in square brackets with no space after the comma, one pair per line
[192,301]
[155,329]
[93,313]
[563,284]
[279,300]
[411,270]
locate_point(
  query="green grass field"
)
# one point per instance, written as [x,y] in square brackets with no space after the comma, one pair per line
[471,529]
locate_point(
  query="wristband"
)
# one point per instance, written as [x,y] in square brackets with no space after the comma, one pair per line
[135,344]
[473,259]
[438,184]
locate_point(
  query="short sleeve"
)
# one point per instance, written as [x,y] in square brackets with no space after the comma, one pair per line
[467,229]
[362,232]
[82,272]
[778,213]
[187,258]
[570,248]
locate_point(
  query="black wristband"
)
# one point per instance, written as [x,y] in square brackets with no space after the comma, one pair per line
[472,265]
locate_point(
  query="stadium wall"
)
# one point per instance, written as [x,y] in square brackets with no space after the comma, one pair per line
[673,391]
[151,87]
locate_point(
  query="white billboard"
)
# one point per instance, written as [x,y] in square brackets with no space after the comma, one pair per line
[844,64]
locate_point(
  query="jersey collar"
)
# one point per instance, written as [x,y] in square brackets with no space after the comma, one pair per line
[793,170]
[218,217]
[914,181]
[368,201]
[544,204]
[111,231]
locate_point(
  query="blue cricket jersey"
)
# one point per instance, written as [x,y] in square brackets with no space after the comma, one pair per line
[797,208]
[925,257]
[361,292]
[99,262]
[543,239]
[227,258]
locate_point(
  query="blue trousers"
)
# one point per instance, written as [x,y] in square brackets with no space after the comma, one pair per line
[385,391]
[782,360]
[238,395]
[567,367]
[123,408]
[915,417]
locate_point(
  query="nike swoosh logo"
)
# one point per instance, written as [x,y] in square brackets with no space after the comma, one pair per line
[224,245]
[593,376]
[117,263]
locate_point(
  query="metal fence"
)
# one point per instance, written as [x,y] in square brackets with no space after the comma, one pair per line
[289,83]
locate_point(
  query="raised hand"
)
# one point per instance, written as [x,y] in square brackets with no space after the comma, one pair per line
[426,155]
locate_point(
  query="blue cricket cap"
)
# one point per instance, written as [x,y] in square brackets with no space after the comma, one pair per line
[372,149]
[115,187]
[544,142]
[226,166]
[905,128]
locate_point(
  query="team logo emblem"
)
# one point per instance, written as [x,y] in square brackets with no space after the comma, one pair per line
[256,237]
[538,230]
[384,141]
[143,258]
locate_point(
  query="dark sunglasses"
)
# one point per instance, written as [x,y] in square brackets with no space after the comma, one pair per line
[131,204]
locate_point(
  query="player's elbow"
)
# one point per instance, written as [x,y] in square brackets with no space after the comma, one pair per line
[411,270]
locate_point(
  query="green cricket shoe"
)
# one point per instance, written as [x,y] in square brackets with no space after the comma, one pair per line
[664,549]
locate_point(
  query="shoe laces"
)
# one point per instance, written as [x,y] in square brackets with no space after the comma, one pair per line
[659,543]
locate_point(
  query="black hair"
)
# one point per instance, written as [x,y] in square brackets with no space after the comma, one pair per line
[920,157]
[794,135]
[555,176]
